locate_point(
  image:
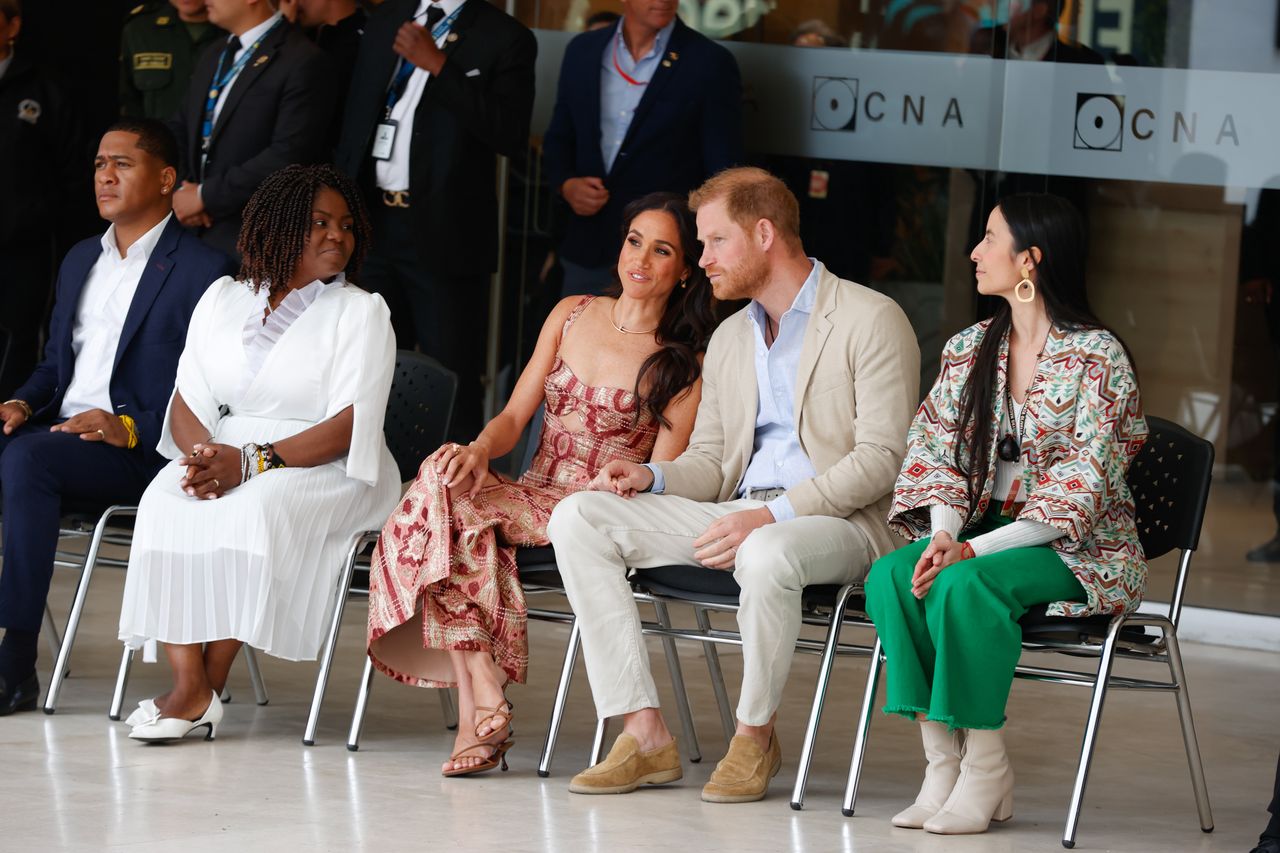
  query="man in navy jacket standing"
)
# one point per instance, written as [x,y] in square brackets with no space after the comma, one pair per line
[84,426]
[642,106]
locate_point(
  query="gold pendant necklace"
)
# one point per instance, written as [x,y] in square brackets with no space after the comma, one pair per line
[624,329]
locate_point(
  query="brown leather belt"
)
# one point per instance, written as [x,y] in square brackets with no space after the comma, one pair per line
[395,198]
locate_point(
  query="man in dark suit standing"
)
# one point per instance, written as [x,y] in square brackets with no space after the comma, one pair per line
[438,90]
[645,105]
[84,426]
[259,101]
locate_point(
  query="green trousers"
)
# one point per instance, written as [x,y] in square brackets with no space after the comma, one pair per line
[951,655]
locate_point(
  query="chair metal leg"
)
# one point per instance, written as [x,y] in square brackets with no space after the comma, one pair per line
[1105,663]
[677,684]
[448,708]
[562,695]
[864,728]
[77,608]
[362,702]
[820,695]
[597,745]
[1189,731]
[51,632]
[122,681]
[340,592]
[255,676]
[717,675]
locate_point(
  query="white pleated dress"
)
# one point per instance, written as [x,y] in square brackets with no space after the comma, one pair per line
[260,563]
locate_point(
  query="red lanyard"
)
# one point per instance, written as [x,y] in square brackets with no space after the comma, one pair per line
[616,67]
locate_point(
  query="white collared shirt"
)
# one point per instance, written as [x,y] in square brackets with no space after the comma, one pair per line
[246,41]
[5,63]
[393,174]
[104,304]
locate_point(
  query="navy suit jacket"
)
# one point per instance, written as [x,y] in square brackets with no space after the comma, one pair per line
[687,127]
[177,274]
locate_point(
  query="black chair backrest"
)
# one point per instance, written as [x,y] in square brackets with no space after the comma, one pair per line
[418,410]
[1170,480]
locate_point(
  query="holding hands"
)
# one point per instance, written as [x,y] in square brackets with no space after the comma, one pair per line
[585,195]
[624,479]
[212,470]
[943,551]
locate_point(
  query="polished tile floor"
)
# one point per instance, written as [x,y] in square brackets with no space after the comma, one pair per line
[74,781]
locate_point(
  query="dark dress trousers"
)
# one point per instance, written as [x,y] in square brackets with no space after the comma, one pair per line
[687,127]
[39,468]
[437,253]
[277,113]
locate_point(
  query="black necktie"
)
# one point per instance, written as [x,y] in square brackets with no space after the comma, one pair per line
[229,53]
[434,14]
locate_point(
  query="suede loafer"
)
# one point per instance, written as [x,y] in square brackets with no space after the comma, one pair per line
[743,775]
[626,768]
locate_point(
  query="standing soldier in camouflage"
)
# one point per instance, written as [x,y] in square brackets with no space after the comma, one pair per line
[158,50]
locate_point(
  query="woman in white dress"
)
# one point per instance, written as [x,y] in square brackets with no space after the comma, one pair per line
[275,432]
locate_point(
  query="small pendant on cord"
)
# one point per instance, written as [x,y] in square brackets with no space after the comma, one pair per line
[1007,449]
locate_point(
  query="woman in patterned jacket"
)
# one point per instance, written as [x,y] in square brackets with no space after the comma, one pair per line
[1013,489]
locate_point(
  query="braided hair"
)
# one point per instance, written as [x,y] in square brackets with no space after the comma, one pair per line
[277,224]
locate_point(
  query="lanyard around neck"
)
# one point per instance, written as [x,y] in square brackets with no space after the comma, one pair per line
[405,68]
[616,67]
[220,80]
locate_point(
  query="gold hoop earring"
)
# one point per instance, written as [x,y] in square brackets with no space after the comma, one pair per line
[1026,286]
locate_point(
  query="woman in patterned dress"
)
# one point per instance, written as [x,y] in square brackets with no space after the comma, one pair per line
[620,379]
[1023,444]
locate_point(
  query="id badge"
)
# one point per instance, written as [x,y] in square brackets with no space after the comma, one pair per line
[384,138]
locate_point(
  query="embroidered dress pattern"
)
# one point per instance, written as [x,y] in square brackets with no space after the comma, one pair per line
[445,567]
[1084,427]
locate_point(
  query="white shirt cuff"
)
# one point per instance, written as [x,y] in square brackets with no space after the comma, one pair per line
[944,519]
[659,481]
[781,508]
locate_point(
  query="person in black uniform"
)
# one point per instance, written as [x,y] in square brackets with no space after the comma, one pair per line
[422,148]
[258,102]
[43,172]
[158,50]
[336,27]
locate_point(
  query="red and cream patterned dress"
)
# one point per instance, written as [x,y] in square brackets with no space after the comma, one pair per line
[444,573]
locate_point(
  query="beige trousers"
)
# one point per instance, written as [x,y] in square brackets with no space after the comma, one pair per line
[599,536]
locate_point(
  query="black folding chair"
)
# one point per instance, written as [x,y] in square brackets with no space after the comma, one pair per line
[1170,484]
[418,414]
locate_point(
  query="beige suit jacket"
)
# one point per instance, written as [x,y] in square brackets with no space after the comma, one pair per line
[856,389]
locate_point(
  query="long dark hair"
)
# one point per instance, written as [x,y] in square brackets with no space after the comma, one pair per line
[1051,224]
[689,318]
[277,221]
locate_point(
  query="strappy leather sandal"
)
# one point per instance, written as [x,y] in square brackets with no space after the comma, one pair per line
[497,756]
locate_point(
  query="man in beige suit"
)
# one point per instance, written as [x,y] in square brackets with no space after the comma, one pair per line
[806,398]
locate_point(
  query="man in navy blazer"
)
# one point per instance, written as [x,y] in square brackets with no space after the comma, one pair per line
[84,426]
[642,106]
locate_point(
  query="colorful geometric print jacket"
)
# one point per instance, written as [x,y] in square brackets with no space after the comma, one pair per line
[1084,422]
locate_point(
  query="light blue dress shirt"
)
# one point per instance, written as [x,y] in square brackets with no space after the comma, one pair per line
[777,459]
[618,98]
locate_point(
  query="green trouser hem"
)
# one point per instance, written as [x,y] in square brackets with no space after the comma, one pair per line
[951,656]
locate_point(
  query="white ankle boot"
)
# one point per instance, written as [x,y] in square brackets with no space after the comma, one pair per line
[984,791]
[942,749]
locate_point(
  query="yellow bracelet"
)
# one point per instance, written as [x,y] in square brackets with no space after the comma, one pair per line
[132,428]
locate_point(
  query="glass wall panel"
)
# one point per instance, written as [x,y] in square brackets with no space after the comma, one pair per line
[899,124]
